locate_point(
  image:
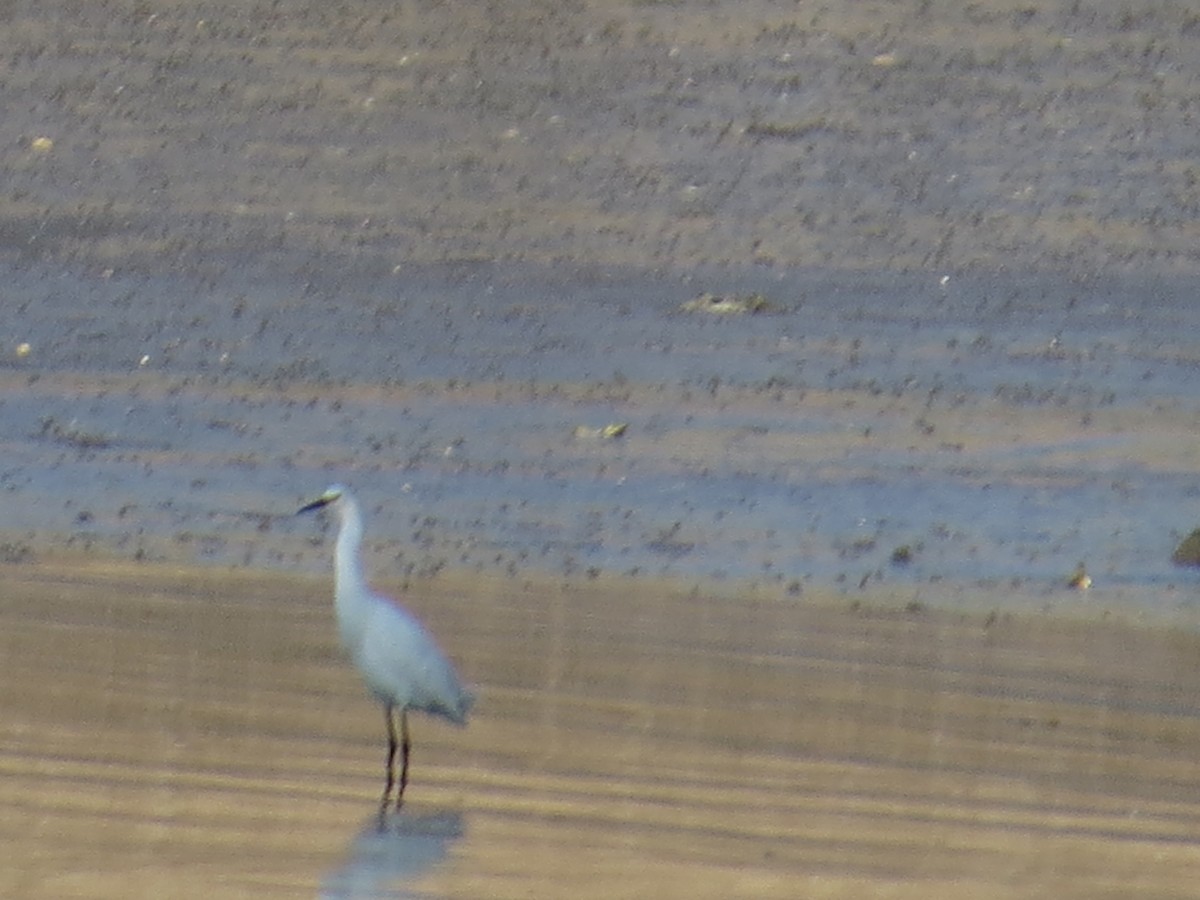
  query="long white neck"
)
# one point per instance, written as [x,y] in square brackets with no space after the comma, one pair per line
[350,585]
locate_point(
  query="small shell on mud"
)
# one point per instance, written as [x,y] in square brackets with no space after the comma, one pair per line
[604,433]
[728,304]
[1080,580]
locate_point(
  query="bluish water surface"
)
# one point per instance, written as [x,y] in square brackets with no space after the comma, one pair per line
[1000,430]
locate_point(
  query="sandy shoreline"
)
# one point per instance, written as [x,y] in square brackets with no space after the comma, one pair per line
[629,740]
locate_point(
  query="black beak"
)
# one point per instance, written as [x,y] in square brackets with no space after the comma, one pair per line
[309,507]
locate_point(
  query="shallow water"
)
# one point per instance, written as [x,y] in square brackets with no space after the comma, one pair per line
[197,733]
[1002,431]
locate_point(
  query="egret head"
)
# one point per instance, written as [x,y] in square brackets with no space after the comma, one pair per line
[332,493]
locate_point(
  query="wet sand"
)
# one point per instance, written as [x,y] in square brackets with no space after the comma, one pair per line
[196,732]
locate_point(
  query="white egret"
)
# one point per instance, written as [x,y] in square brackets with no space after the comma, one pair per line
[400,661]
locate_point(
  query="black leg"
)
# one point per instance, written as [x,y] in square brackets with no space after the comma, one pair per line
[405,745]
[391,759]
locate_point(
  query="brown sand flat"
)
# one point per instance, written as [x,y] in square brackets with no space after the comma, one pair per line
[196,732]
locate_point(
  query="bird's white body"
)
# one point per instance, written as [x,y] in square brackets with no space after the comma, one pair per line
[400,661]
[397,657]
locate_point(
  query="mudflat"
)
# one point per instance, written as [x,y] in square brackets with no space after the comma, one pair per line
[160,136]
[429,248]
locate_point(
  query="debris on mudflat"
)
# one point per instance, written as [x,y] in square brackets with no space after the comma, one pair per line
[728,304]
[1080,579]
[603,433]
[1188,552]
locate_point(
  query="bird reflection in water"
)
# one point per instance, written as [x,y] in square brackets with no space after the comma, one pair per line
[390,853]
